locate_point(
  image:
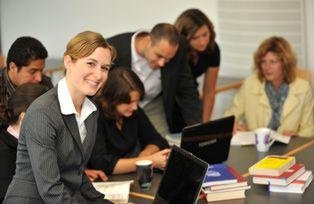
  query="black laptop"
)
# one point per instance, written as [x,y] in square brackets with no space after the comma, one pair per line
[209,141]
[182,179]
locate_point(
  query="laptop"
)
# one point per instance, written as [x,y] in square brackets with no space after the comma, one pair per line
[182,178]
[209,141]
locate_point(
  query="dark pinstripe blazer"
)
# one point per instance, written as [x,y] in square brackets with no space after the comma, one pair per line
[51,157]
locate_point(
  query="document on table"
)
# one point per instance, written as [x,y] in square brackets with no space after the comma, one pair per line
[116,191]
[248,138]
[174,138]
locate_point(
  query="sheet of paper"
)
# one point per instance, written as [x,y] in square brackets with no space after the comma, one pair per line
[243,138]
[174,139]
[248,138]
[116,191]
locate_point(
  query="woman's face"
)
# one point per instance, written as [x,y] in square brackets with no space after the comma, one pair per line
[200,39]
[86,75]
[272,68]
[127,109]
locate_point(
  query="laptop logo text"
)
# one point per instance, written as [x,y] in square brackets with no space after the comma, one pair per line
[203,144]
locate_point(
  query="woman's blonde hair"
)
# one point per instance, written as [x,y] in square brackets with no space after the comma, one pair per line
[282,49]
[85,43]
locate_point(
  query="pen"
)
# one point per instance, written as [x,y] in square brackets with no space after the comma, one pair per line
[149,197]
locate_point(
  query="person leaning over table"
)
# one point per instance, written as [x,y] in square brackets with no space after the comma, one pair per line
[125,134]
[24,64]
[59,130]
[158,57]
[18,102]
[275,97]
[203,53]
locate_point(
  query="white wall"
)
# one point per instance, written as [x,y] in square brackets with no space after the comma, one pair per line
[309,18]
[55,22]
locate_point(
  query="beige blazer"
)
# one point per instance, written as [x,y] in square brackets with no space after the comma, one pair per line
[251,107]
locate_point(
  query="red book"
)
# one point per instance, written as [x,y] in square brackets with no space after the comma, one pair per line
[297,186]
[284,179]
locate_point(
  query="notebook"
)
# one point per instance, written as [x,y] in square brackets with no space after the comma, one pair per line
[209,141]
[182,179]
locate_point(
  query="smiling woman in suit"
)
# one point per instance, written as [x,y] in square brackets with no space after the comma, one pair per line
[59,130]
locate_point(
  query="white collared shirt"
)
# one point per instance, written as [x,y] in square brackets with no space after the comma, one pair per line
[151,78]
[67,107]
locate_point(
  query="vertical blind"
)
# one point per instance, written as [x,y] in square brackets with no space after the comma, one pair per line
[244,24]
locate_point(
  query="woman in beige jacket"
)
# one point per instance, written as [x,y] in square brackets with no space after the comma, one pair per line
[275,97]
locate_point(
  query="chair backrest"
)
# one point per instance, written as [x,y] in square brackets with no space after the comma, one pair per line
[304,73]
[2,61]
[234,85]
[55,74]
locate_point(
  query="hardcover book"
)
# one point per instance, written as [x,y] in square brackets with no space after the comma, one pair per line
[218,174]
[297,186]
[272,165]
[284,179]
[207,191]
[241,182]
[225,196]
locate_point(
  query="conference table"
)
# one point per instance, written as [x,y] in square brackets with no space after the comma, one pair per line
[241,158]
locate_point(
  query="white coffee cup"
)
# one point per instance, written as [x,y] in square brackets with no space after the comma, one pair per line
[263,139]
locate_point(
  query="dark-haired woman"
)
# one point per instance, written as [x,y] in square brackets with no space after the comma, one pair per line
[125,134]
[203,54]
[23,96]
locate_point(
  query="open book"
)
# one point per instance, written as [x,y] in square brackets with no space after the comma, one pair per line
[248,138]
[116,191]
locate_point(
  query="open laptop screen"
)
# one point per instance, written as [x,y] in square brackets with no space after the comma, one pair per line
[209,141]
[182,178]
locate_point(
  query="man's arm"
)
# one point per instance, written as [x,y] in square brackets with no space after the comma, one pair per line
[186,94]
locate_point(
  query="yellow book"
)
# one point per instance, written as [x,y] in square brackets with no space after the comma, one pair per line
[272,165]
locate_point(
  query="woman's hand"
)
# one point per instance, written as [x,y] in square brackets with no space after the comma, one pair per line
[160,158]
[93,175]
[289,133]
[238,127]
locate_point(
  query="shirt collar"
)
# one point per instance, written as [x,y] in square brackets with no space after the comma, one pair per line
[66,103]
[134,55]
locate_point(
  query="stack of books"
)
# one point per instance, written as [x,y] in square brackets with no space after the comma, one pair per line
[282,174]
[224,183]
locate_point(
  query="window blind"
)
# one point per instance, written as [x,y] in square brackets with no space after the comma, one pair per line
[244,24]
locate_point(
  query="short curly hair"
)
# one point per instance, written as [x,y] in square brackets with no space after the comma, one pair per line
[282,49]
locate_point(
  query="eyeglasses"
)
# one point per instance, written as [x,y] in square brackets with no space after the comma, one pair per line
[270,62]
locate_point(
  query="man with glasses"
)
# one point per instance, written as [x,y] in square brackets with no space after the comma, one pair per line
[159,59]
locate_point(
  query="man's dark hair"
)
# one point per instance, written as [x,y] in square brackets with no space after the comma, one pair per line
[165,31]
[24,50]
